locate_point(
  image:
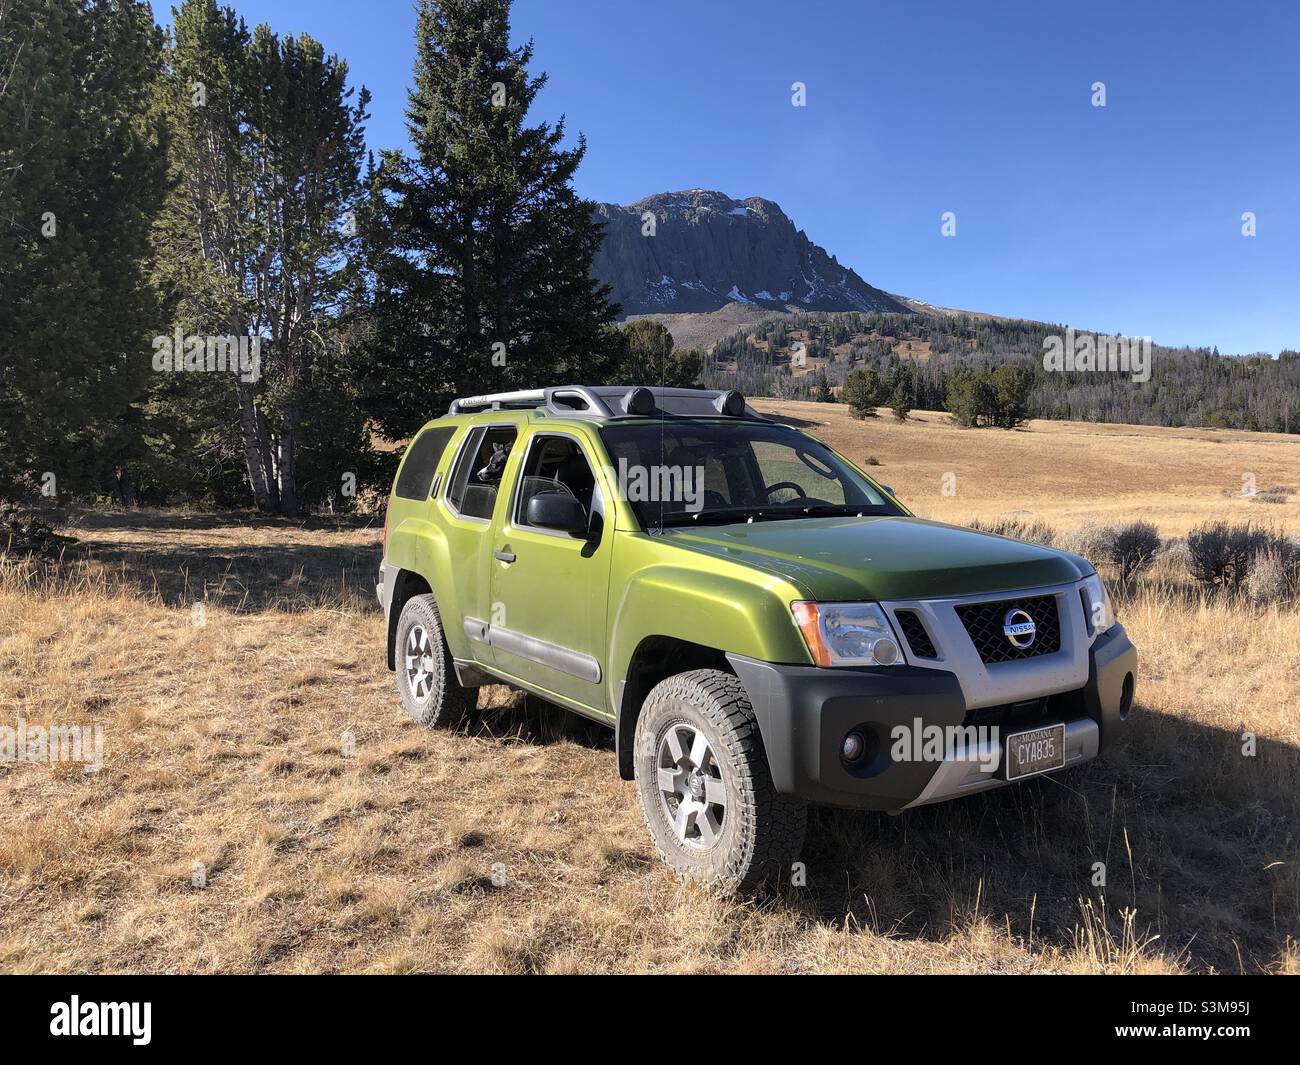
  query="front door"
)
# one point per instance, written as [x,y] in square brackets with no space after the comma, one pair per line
[549,588]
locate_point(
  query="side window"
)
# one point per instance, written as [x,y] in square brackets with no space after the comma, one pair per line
[555,464]
[416,476]
[477,476]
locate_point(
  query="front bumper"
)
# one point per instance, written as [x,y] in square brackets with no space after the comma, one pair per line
[804,713]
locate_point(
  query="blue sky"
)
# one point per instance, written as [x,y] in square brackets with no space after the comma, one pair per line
[1124,219]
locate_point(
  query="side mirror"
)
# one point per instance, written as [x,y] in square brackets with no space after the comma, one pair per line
[555,510]
[888,489]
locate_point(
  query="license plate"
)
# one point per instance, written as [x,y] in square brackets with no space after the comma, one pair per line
[1034,752]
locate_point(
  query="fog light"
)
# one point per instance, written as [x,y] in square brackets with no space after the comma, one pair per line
[854,744]
[885,652]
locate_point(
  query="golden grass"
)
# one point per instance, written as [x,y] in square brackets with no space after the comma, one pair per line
[265,750]
[1065,473]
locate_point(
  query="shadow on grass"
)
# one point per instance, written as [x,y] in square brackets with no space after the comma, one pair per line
[266,566]
[791,420]
[1199,839]
[511,713]
[198,520]
[1195,836]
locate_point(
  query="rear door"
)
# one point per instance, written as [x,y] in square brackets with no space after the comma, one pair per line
[549,589]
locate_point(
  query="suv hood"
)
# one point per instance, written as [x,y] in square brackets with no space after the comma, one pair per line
[852,558]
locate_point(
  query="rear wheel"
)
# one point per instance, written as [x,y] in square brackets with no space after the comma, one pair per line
[704,785]
[426,674]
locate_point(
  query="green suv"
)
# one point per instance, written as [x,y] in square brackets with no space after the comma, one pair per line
[760,623]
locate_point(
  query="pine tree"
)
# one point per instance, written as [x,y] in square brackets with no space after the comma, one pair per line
[967,397]
[81,179]
[647,357]
[899,402]
[1010,385]
[267,155]
[862,393]
[900,392]
[480,248]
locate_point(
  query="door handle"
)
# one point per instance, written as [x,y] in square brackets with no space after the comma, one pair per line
[505,555]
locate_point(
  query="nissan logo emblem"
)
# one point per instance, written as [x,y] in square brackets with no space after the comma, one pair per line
[1019,629]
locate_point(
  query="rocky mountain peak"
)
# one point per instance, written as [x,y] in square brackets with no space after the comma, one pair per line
[705,250]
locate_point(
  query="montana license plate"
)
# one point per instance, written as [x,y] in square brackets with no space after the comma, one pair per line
[1034,752]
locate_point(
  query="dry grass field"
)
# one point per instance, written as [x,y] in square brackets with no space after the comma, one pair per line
[1065,473]
[265,750]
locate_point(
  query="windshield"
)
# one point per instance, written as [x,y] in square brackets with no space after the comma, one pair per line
[691,473]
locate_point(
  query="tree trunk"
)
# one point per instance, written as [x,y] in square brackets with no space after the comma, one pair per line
[126,488]
[256,453]
[287,463]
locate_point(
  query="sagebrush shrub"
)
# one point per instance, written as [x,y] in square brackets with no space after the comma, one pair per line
[1272,578]
[1220,555]
[1090,540]
[1034,532]
[1133,547]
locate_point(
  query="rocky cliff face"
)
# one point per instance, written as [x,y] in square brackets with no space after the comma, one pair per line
[709,250]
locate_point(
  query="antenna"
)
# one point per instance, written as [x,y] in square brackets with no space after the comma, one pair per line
[663,459]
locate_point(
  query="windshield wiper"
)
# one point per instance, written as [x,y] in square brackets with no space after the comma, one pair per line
[709,517]
[787,512]
[822,510]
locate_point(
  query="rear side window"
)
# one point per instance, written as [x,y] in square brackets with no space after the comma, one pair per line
[477,476]
[416,476]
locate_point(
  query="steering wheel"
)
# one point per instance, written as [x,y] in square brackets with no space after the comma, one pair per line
[784,484]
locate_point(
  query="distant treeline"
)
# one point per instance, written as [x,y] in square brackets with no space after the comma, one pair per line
[1187,386]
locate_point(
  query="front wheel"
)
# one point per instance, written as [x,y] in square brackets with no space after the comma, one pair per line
[704,785]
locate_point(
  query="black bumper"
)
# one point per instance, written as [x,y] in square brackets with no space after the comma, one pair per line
[804,713]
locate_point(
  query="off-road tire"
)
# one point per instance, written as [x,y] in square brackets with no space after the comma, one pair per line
[761,831]
[431,694]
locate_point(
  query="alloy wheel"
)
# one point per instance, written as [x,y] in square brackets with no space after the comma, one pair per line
[691,790]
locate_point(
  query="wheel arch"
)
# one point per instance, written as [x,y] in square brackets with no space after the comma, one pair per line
[405,585]
[655,658]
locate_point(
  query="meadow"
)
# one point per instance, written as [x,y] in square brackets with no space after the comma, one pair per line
[264,805]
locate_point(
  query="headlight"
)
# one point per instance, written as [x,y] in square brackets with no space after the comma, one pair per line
[846,634]
[1101,616]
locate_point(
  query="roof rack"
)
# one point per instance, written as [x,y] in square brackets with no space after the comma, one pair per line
[498,401]
[608,402]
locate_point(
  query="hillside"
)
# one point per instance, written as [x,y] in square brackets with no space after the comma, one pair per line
[789,355]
